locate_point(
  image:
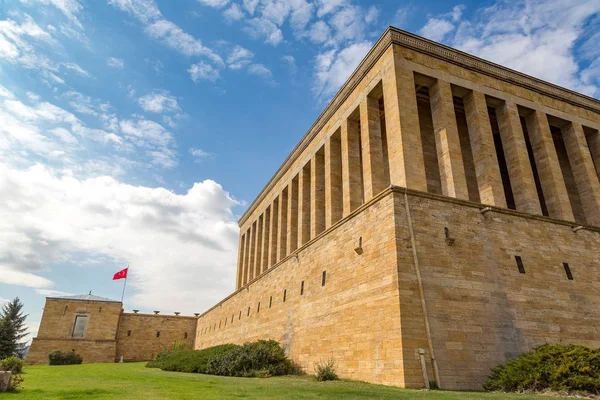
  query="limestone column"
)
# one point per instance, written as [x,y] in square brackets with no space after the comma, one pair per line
[372,148]
[304,205]
[447,142]
[292,224]
[352,187]
[517,159]
[246,257]
[584,172]
[317,189]
[240,268]
[273,233]
[252,253]
[283,225]
[594,145]
[264,265]
[333,179]
[548,167]
[487,170]
[405,150]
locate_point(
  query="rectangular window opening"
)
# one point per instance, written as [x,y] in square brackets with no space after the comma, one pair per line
[157,333]
[302,288]
[258,308]
[323,277]
[80,325]
[520,264]
[568,271]
[284,295]
[248,312]
[270,301]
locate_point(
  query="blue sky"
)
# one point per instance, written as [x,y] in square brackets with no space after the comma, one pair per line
[137,131]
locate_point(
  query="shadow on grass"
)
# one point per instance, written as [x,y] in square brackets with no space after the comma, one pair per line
[66,394]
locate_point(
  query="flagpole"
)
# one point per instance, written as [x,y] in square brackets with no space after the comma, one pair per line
[125,284]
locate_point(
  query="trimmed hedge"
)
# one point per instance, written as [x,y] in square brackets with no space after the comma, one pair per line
[262,358]
[556,367]
[64,358]
[194,361]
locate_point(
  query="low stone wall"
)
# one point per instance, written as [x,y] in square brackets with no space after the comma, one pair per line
[92,351]
[5,378]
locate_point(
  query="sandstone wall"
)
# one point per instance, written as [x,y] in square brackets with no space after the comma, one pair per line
[56,328]
[137,337]
[353,318]
[481,309]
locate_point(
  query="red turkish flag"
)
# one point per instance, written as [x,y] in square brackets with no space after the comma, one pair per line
[122,274]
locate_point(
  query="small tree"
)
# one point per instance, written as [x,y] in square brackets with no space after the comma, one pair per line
[12,329]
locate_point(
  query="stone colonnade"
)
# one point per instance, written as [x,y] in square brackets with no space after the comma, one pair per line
[510,155]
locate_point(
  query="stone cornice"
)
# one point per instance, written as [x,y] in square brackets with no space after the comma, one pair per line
[408,40]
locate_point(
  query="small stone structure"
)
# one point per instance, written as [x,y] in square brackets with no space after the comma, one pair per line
[98,329]
[5,377]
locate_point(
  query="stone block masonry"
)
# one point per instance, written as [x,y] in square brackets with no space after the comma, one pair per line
[415,194]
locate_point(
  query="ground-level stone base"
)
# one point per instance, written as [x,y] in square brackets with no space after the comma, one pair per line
[433,275]
[92,351]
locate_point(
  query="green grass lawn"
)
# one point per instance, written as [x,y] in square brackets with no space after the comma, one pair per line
[134,381]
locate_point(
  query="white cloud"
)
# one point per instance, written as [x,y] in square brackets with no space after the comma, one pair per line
[291,62]
[199,154]
[164,30]
[158,101]
[74,67]
[349,24]
[4,92]
[174,37]
[204,71]
[401,16]
[52,293]
[325,7]
[372,15]
[538,37]
[214,3]
[239,57]
[319,32]
[259,70]
[264,29]
[68,7]
[233,13]
[436,29]
[250,5]
[117,63]
[46,217]
[143,10]
[153,138]
[334,67]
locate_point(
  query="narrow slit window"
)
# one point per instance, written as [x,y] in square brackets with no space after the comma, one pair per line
[323,278]
[284,295]
[270,301]
[219,324]
[128,333]
[240,317]
[157,333]
[520,264]
[258,308]
[302,288]
[568,271]
[185,335]
[248,311]
[232,318]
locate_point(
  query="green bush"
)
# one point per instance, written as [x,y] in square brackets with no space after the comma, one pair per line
[188,360]
[256,359]
[556,367]
[64,358]
[262,358]
[326,370]
[12,364]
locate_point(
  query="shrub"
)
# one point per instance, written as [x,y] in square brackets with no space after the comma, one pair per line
[556,367]
[12,364]
[326,370]
[64,358]
[255,359]
[188,360]
[262,358]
